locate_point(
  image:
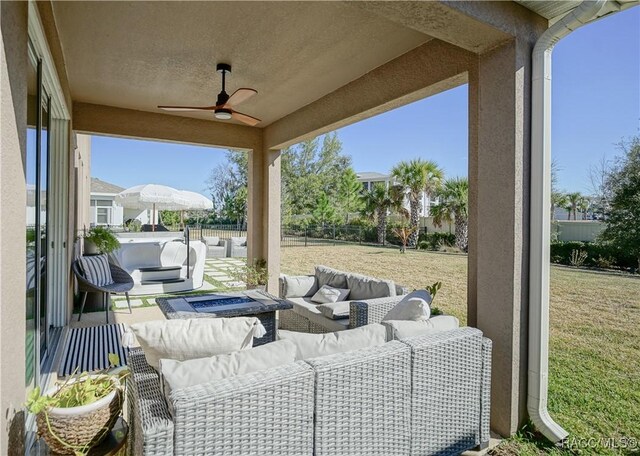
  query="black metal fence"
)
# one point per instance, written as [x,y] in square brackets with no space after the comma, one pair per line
[306,236]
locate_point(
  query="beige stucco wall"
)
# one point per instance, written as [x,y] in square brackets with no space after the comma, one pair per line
[499,101]
[13,127]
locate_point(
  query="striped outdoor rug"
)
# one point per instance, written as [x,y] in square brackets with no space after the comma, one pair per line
[87,349]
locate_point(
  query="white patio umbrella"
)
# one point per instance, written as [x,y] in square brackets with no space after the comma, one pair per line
[196,201]
[152,196]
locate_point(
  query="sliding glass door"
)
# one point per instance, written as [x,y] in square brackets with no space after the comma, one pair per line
[37,214]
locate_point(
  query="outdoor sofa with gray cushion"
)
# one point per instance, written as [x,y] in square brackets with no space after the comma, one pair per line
[368,301]
[237,247]
[423,395]
[216,247]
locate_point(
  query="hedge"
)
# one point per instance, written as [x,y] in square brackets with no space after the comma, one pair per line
[598,254]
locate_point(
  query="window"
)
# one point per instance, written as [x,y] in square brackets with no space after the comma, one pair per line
[103,216]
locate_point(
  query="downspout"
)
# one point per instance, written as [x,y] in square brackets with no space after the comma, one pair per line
[540,217]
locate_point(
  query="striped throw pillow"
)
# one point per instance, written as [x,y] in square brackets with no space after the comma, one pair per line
[96,269]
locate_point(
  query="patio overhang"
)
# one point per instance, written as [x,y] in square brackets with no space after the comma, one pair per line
[317,66]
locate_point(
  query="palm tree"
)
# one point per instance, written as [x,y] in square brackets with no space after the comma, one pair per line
[572,203]
[454,206]
[378,202]
[417,176]
[557,200]
[583,206]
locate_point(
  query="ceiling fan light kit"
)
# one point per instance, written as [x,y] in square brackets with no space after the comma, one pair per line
[223,109]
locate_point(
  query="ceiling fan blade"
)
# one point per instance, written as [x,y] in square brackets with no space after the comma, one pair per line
[239,96]
[244,118]
[187,108]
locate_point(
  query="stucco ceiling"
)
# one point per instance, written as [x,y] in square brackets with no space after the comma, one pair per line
[140,54]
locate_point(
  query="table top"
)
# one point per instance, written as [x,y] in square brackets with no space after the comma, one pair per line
[227,304]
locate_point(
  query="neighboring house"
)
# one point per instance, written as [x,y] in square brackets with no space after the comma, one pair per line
[369,179]
[105,211]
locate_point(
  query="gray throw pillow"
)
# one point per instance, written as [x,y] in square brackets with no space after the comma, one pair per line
[331,277]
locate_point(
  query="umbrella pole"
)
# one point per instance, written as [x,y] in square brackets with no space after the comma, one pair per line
[153,218]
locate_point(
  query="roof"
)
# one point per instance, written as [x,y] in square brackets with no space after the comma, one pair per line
[100,186]
[555,9]
[367,175]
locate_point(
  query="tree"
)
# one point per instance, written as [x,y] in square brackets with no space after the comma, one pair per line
[598,178]
[417,176]
[227,179]
[623,216]
[324,212]
[454,207]
[235,206]
[349,193]
[573,201]
[558,199]
[377,203]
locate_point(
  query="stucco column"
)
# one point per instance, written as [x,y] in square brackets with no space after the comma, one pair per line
[263,237]
[499,155]
[13,138]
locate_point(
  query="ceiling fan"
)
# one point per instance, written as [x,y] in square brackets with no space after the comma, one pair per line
[223,109]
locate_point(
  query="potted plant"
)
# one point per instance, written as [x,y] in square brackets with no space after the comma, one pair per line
[78,414]
[100,240]
[254,276]
[433,291]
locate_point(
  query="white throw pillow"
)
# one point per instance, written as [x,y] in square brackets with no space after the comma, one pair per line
[400,329]
[314,345]
[181,374]
[194,338]
[327,294]
[414,306]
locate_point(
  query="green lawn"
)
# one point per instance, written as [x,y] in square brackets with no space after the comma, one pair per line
[594,389]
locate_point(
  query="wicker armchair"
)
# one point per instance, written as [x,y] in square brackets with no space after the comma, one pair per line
[122,283]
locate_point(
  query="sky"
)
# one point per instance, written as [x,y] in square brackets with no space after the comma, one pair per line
[595,104]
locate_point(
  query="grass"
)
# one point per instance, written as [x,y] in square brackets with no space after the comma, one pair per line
[594,372]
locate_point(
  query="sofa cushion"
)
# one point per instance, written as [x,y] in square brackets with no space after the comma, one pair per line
[298,286]
[331,277]
[194,338]
[309,310]
[414,306]
[239,241]
[363,287]
[401,329]
[181,374]
[211,240]
[314,345]
[96,269]
[328,294]
[335,310]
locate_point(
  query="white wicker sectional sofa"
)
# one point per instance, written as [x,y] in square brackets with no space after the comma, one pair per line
[368,301]
[425,395]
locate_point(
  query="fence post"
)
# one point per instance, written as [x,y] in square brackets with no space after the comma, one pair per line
[334,234]
[360,235]
[305,236]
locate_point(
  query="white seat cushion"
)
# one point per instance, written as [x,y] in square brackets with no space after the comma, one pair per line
[182,374]
[335,310]
[211,241]
[309,310]
[401,329]
[314,345]
[327,294]
[194,338]
[414,306]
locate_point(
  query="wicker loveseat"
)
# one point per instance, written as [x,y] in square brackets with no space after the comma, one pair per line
[369,300]
[418,396]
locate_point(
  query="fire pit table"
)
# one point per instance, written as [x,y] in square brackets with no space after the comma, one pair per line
[250,303]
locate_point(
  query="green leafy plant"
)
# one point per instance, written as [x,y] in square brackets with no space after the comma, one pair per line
[252,275]
[104,240]
[578,257]
[78,390]
[604,262]
[433,291]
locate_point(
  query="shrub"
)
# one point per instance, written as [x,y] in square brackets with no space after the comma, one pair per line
[612,256]
[435,240]
[578,257]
